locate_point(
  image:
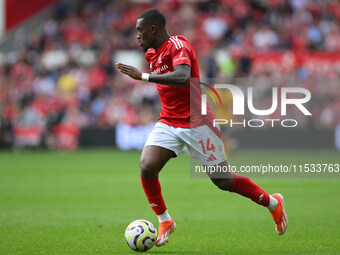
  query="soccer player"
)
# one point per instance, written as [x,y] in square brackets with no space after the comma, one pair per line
[173,66]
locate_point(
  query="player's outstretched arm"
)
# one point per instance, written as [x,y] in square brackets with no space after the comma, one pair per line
[179,77]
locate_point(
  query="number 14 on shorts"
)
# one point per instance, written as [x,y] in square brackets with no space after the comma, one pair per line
[207,146]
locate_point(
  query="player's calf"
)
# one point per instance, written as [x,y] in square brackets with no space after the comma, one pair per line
[223,184]
[223,180]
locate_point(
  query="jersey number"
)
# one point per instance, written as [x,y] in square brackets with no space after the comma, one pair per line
[209,147]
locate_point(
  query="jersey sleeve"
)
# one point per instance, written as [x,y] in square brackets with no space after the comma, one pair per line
[180,52]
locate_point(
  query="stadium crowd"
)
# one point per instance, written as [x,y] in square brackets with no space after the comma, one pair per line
[61,77]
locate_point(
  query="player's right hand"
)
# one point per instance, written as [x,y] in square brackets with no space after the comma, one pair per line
[131,71]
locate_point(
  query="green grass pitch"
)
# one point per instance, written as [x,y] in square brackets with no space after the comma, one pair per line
[81,203]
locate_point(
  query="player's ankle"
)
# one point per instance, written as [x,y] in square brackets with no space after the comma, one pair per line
[272,203]
[164,217]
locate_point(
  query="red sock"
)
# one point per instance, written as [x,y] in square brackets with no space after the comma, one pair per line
[245,187]
[152,190]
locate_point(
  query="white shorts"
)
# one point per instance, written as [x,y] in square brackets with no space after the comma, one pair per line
[203,142]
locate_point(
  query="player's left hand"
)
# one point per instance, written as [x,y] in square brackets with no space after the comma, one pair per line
[131,71]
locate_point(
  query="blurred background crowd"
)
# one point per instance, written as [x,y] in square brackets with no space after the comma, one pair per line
[59,77]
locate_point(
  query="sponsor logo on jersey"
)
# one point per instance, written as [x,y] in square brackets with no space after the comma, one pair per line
[180,57]
[160,69]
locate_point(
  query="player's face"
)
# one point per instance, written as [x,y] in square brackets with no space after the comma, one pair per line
[145,35]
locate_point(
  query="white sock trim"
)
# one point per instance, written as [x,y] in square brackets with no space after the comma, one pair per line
[272,203]
[164,217]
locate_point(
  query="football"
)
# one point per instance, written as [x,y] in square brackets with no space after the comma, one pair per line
[140,235]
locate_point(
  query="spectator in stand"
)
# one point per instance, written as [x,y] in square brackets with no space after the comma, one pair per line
[265,38]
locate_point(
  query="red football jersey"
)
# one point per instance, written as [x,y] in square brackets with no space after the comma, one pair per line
[177,110]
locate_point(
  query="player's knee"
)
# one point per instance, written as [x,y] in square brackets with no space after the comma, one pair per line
[224,184]
[147,169]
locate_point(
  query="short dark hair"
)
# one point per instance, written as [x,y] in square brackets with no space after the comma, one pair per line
[153,15]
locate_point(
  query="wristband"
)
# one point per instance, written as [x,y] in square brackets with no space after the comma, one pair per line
[145,76]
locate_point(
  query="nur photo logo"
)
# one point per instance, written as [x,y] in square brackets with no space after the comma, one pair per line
[281,99]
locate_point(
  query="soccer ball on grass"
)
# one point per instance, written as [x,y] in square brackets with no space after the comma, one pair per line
[140,235]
